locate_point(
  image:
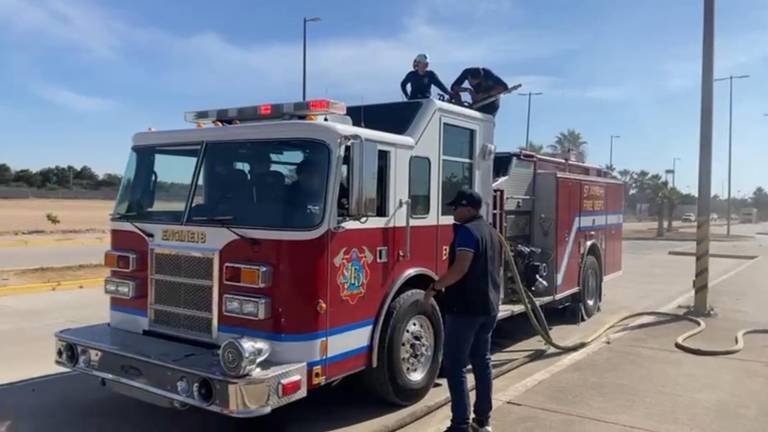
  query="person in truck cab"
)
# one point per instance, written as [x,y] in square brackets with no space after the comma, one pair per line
[305,195]
[483,83]
[421,80]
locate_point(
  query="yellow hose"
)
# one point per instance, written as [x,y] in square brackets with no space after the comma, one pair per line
[529,302]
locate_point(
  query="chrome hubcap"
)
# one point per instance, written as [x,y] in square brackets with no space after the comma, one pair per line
[417,348]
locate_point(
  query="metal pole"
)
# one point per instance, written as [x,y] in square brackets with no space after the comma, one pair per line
[674,169]
[528,118]
[304,58]
[528,123]
[730,142]
[304,65]
[730,152]
[610,159]
[701,281]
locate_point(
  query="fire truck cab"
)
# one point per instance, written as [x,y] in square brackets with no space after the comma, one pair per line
[276,248]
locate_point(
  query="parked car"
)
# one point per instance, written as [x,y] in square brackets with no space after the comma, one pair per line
[713,217]
[689,217]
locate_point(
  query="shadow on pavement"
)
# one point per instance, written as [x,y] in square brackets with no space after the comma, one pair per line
[74,402]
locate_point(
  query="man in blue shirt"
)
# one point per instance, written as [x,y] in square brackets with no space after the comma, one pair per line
[472,290]
[421,80]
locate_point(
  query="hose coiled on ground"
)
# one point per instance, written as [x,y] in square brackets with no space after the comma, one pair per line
[539,322]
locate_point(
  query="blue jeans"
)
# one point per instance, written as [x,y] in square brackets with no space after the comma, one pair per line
[468,337]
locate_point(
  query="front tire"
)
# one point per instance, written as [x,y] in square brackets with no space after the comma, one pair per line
[410,350]
[591,286]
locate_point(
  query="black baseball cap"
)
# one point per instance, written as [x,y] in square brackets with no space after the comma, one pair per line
[466,198]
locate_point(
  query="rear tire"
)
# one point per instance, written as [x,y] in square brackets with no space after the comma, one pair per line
[591,286]
[410,350]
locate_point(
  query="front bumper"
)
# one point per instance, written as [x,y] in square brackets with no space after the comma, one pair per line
[155,367]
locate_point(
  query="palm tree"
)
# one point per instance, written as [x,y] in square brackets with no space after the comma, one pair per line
[534,148]
[569,145]
[673,197]
[625,175]
[657,190]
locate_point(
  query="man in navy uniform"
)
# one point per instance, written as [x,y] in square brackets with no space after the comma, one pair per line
[471,294]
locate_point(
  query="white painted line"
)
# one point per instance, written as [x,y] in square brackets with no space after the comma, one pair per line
[539,377]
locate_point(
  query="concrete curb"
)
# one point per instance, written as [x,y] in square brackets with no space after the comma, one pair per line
[714,255]
[54,267]
[51,242]
[50,286]
[689,240]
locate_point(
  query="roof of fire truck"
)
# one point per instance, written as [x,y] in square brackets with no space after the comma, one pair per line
[400,123]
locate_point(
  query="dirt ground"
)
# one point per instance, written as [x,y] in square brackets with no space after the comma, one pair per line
[51,274]
[19,216]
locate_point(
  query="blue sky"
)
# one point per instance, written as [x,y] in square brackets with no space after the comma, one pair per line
[80,77]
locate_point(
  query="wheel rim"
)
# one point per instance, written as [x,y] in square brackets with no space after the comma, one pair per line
[590,287]
[417,348]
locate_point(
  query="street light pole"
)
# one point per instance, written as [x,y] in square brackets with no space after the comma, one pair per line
[610,158]
[674,169]
[701,272]
[528,121]
[304,59]
[730,143]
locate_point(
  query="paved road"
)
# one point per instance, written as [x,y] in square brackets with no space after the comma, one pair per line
[60,255]
[72,402]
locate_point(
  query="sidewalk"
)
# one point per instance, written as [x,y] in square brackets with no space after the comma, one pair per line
[640,382]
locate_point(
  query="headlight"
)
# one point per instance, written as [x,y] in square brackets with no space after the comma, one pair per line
[257,307]
[117,287]
[241,356]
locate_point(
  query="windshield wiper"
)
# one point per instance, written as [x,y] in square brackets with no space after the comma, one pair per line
[220,220]
[138,228]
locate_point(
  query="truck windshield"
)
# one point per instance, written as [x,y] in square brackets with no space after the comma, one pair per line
[278,184]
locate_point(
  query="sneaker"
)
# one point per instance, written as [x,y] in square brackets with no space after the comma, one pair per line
[475,427]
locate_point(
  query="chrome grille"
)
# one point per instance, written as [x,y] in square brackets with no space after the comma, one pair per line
[182,294]
[184,266]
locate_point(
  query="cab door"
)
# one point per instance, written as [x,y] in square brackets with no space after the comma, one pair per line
[458,170]
[362,256]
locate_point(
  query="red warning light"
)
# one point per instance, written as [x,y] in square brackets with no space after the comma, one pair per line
[265,110]
[320,105]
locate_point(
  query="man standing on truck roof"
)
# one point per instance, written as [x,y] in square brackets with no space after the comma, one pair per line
[421,80]
[471,297]
[483,84]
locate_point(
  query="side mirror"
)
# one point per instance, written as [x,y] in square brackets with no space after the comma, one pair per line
[364,171]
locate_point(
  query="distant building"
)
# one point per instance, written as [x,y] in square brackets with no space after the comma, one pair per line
[748,215]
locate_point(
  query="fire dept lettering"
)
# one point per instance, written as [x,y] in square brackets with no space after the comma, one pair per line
[184,236]
[593,198]
[353,274]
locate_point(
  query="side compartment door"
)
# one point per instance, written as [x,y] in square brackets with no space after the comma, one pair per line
[568,206]
[615,218]
[593,218]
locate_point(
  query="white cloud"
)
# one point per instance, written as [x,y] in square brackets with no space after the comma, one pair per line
[71,100]
[349,66]
[56,22]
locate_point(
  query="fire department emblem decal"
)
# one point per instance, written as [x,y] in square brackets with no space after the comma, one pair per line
[353,272]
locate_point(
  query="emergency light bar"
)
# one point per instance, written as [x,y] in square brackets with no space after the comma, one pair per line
[267,112]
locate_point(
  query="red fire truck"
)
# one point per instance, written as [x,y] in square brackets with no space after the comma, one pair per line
[276,248]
